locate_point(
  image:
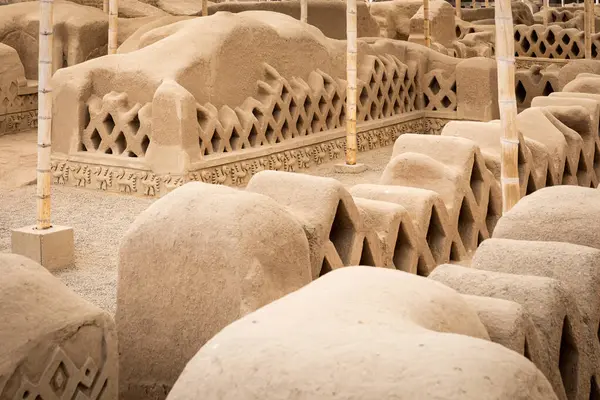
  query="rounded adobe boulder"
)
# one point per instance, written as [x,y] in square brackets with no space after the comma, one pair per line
[53,343]
[193,262]
[360,333]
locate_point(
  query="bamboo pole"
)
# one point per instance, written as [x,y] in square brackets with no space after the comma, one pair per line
[505,58]
[426,31]
[546,11]
[458,5]
[351,72]
[205,8]
[46,39]
[113,26]
[304,11]
[588,7]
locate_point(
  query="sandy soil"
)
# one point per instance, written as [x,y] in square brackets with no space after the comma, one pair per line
[99,219]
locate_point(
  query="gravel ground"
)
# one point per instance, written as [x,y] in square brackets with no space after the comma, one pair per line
[100,219]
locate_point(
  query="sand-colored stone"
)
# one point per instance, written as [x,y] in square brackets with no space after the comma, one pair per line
[548,149]
[584,83]
[398,341]
[576,267]
[328,16]
[487,136]
[441,24]
[511,326]
[552,310]
[80,33]
[556,214]
[18,96]
[477,89]
[53,343]
[521,13]
[438,240]
[332,223]
[579,165]
[570,71]
[471,195]
[587,128]
[534,81]
[393,17]
[193,262]
[422,171]
[133,40]
[391,238]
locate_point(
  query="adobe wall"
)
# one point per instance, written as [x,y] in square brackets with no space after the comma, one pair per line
[328,16]
[238,116]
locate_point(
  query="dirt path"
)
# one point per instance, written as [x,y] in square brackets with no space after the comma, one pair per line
[99,219]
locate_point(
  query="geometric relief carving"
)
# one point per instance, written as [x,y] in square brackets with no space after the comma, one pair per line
[549,42]
[115,128]
[62,379]
[439,91]
[286,109]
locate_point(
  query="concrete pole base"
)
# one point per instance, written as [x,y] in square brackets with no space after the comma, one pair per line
[349,169]
[53,248]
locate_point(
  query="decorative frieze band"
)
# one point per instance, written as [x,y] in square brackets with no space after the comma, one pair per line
[236,173]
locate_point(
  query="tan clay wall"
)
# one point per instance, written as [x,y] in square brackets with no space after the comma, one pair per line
[18,97]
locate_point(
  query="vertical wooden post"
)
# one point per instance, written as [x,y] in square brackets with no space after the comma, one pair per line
[205,8]
[304,11]
[113,26]
[562,3]
[458,6]
[105,6]
[505,58]
[426,28]
[588,8]
[46,39]
[487,4]
[351,72]
[546,12]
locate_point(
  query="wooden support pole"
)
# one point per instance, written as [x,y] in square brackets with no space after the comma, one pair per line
[205,8]
[105,6]
[44,177]
[588,7]
[304,11]
[351,72]
[546,12]
[426,28]
[113,26]
[487,3]
[458,6]
[505,58]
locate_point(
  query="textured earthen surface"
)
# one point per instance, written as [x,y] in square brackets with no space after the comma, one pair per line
[399,338]
[53,343]
[189,262]
[555,214]
[552,310]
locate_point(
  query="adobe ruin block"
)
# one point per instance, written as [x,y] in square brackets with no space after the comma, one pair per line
[197,260]
[292,346]
[54,344]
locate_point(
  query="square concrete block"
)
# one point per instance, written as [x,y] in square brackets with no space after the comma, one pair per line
[53,248]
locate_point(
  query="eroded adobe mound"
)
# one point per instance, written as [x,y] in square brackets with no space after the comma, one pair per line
[80,33]
[360,333]
[193,262]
